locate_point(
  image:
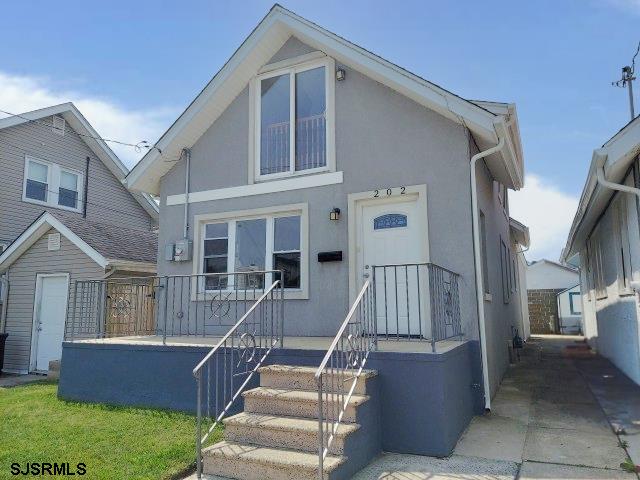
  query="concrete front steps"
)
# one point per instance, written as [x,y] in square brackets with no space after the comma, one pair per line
[276,437]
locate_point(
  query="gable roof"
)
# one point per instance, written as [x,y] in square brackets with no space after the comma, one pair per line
[106,245]
[259,47]
[615,156]
[551,263]
[76,120]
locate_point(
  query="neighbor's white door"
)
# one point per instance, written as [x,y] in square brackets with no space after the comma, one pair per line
[51,310]
[392,234]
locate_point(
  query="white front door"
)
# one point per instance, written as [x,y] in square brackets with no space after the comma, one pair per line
[50,310]
[393,233]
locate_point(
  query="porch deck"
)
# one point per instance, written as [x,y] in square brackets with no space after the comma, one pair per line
[292,343]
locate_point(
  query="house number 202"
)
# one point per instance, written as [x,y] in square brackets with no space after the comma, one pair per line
[388,192]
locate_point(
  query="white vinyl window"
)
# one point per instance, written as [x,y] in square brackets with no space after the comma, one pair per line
[270,242]
[50,184]
[597,265]
[294,120]
[504,264]
[485,258]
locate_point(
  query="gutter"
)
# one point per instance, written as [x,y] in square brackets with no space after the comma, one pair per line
[478,266]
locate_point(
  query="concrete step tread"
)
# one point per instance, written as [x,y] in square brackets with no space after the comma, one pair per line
[293,369]
[272,456]
[306,396]
[283,423]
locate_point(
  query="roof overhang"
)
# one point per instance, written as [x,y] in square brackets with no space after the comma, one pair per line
[79,123]
[265,40]
[37,229]
[519,232]
[616,157]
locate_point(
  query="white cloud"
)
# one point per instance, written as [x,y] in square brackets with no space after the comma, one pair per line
[19,94]
[548,212]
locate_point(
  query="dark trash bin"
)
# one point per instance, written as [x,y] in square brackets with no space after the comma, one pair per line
[3,339]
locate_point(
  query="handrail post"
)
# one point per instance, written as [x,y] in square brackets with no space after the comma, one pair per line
[166,295]
[199,424]
[431,275]
[320,431]
[374,312]
[281,309]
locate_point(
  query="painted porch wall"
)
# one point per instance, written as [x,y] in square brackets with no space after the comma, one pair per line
[108,200]
[22,277]
[383,139]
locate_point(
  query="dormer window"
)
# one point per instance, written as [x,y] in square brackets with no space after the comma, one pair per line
[294,120]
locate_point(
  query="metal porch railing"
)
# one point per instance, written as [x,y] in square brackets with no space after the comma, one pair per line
[391,306]
[225,372]
[203,305]
[417,301]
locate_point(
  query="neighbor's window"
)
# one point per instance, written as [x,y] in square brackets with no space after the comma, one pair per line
[293,120]
[622,246]
[504,264]
[68,191]
[252,245]
[37,183]
[597,264]
[575,306]
[50,184]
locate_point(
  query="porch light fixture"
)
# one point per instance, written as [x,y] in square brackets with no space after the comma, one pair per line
[334,214]
[340,74]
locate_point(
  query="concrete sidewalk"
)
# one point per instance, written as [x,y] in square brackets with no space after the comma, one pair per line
[546,418]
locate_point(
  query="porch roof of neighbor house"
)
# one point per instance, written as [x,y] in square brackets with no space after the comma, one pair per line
[107,245]
[98,146]
[486,120]
[617,155]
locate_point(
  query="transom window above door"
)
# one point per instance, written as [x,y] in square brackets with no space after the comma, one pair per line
[294,120]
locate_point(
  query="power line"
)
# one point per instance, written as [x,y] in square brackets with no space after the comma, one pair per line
[137,146]
[83,201]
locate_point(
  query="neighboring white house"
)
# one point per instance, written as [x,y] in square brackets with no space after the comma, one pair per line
[548,285]
[606,237]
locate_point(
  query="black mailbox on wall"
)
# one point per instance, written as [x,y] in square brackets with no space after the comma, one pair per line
[335,256]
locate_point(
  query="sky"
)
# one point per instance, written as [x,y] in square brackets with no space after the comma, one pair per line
[133,66]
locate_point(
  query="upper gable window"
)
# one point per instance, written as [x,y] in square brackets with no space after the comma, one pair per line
[50,184]
[294,120]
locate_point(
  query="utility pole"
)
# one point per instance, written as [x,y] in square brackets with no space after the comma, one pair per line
[627,81]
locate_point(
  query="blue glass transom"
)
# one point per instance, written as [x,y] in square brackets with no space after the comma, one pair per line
[390,220]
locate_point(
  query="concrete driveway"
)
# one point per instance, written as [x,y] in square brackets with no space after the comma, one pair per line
[546,419]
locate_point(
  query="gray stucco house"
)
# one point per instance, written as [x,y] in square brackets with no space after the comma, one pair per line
[65,215]
[605,239]
[319,195]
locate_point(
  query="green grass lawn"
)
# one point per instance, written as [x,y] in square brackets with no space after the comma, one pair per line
[113,442]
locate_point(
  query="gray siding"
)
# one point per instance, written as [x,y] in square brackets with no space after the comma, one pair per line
[22,277]
[108,200]
[383,139]
[616,316]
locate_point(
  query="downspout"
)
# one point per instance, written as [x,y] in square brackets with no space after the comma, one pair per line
[85,192]
[478,264]
[187,173]
[4,280]
[601,158]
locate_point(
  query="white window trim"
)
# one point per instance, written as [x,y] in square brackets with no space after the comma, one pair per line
[53,184]
[301,209]
[254,120]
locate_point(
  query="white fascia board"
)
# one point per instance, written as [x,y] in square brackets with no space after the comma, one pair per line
[145,176]
[35,231]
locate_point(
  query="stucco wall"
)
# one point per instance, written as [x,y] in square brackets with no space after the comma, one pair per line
[383,140]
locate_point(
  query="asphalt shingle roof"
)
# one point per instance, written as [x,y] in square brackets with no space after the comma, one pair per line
[112,241]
